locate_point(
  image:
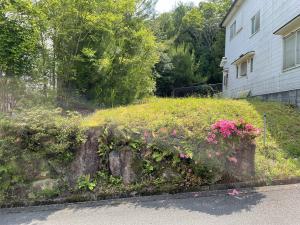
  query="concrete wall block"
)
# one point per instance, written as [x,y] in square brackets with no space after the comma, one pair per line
[293,97]
[298,98]
[287,97]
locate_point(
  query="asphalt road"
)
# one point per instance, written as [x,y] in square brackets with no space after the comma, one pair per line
[279,205]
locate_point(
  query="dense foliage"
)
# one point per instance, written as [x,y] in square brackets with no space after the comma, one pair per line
[18,37]
[101,50]
[35,144]
[192,45]
[110,53]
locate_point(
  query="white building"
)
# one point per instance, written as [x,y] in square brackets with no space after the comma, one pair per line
[262,54]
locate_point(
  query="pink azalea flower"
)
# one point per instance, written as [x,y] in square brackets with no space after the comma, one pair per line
[174,133]
[182,156]
[233,192]
[233,159]
[210,140]
[146,134]
[226,129]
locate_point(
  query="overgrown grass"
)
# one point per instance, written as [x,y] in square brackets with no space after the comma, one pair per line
[278,159]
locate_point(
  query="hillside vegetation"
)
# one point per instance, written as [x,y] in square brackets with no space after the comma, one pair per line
[162,143]
[193,117]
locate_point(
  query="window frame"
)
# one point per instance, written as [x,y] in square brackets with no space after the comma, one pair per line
[232,31]
[295,33]
[254,20]
[251,64]
[241,70]
[298,47]
[249,68]
[226,79]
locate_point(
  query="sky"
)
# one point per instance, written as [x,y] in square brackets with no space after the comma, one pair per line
[168,5]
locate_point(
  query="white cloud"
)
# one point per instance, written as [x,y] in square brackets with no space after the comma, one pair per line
[168,5]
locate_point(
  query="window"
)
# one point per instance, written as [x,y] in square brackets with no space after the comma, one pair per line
[241,69]
[298,47]
[255,21]
[244,69]
[226,79]
[291,50]
[233,30]
[251,64]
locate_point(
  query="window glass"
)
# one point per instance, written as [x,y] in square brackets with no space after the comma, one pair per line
[233,30]
[237,71]
[244,69]
[226,79]
[289,52]
[255,23]
[251,64]
[298,47]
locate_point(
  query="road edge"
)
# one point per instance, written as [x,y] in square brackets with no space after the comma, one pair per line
[202,191]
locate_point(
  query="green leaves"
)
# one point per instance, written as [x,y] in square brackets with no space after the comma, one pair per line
[102,50]
[194,19]
[85,183]
[18,37]
[148,167]
[194,44]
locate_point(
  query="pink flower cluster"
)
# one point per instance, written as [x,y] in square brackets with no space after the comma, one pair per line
[249,128]
[227,129]
[184,156]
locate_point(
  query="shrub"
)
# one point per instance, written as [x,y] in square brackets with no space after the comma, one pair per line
[226,130]
[85,183]
[230,141]
[33,142]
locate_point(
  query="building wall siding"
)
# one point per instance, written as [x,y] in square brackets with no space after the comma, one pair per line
[268,76]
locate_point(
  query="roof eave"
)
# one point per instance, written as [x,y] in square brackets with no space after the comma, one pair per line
[243,57]
[290,26]
[231,9]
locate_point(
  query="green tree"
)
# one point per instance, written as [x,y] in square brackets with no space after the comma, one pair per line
[164,27]
[102,49]
[177,68]
[19,37]
[198,30]
[201,30]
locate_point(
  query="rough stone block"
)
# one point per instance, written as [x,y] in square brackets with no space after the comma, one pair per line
[121,164]
[87,159]
[115,163]
[46,184]
[127,171]
[244,168]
